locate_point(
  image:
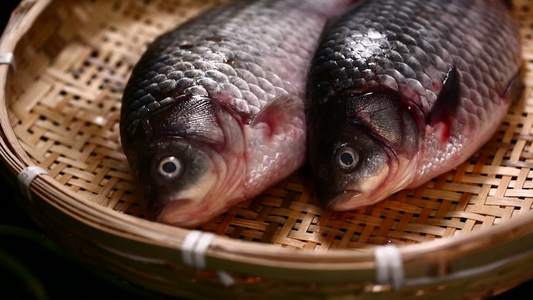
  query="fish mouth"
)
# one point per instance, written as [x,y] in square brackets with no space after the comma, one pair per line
[342,201]
[175,213]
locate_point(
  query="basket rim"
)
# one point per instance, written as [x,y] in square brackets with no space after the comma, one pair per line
[222,248]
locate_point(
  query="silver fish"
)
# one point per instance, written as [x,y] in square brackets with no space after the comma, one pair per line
[213,113]
[402,91]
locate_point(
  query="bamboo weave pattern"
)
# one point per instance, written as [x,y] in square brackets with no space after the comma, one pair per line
[65,111]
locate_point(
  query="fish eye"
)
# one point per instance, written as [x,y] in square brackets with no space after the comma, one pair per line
[347,158]
[169,167]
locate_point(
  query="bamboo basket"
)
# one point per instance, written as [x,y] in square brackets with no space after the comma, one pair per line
[466,234]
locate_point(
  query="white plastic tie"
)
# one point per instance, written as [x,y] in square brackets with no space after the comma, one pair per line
[225,278]
[26,177]
[7,58]
[389,266]
[194,252]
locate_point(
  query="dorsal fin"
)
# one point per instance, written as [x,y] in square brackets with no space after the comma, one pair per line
[447,103]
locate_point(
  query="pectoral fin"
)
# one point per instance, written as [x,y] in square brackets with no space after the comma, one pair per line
[275,141]
[446,104]
[514,89]
[278,112]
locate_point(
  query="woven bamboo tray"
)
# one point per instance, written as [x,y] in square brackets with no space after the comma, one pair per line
[467,234]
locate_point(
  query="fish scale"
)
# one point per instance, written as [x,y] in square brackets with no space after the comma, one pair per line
[190,63]
[219,103]
[408,49]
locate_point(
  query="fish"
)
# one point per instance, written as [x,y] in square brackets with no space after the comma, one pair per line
[400,92]
[213,112]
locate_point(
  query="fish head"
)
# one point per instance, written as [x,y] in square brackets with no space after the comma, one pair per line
[185,160]
[177,178]
[363,149]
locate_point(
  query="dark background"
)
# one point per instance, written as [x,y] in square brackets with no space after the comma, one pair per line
[33,267]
